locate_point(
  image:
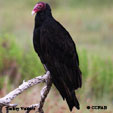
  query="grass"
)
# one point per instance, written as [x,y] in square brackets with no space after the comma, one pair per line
[91,28]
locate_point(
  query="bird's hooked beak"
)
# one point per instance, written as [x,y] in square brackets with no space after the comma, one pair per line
[33,12]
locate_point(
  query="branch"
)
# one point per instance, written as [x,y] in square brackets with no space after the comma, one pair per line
[5,101]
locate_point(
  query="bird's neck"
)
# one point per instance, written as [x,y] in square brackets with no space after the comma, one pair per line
[41,17]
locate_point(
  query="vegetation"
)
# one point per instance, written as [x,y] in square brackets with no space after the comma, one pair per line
[89,22]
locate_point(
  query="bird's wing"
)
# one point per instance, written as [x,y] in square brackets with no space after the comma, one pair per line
[60,54]
[55,35]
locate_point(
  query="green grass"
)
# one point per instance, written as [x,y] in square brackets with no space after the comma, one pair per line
[27,62]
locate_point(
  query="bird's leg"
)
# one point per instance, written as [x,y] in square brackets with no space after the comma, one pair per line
[45,67]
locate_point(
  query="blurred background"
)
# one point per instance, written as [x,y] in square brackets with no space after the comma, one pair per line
[90,23]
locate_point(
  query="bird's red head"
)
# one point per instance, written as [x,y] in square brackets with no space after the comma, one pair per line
[40,6]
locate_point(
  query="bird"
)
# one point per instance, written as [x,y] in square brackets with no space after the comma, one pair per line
[57,52]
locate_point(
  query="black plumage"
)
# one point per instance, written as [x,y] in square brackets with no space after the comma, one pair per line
[57,52]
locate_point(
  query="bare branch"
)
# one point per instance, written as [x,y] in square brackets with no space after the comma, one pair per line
[5,101]
[44,93]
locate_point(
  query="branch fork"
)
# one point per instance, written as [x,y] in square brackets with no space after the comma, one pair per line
[6,100]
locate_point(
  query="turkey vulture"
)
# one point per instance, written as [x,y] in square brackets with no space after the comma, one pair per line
[57,52]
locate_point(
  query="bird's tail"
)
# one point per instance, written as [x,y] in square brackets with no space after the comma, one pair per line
[72,100]
[67,94]
[66,83]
